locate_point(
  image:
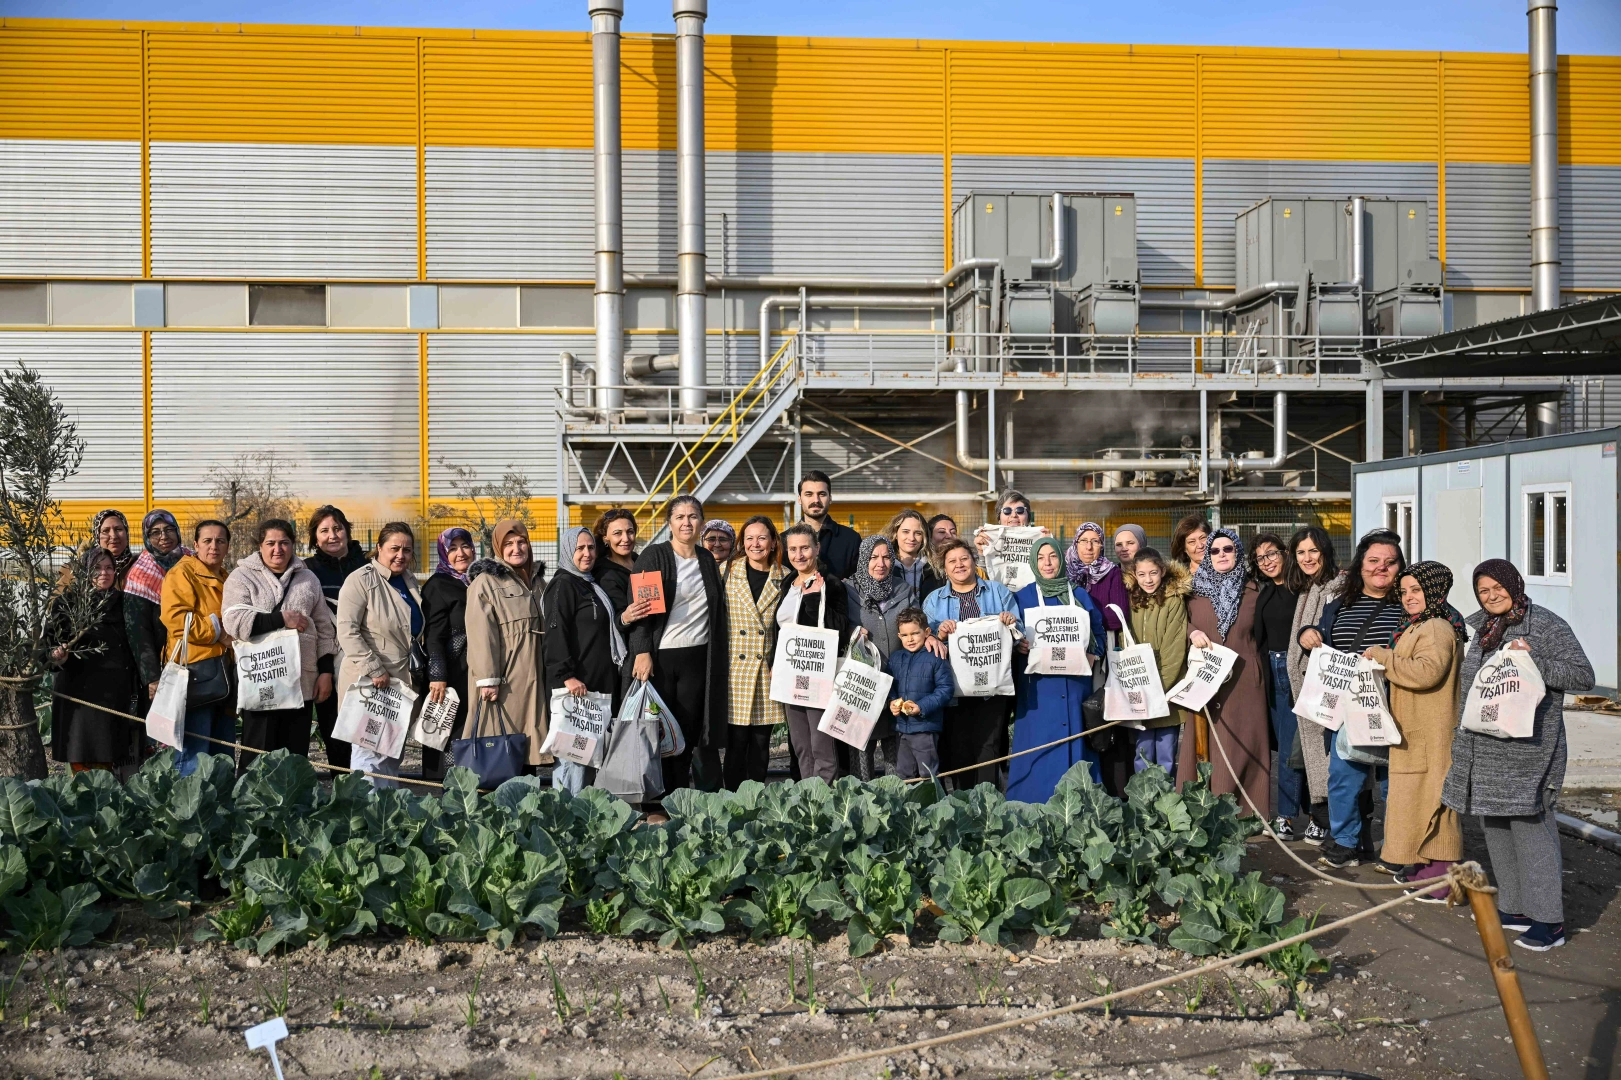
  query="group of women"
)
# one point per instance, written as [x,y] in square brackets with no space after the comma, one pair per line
[494,632]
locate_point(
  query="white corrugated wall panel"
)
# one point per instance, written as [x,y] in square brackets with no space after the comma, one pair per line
[279,210]
[1590,226]
[497,212]
[97,377]
[1163,187]
[1488,225]
[1232,186]
[491,406]
[70,208]
[341,409]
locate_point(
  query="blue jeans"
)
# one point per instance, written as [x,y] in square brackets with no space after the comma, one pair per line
[1157,746]
[1291,791]
[568,776]
[1350,805]
[217,721]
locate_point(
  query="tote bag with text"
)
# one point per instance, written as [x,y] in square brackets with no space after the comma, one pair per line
[269,672]
[1059,635]
[806,661]
[982,658]
[860,696]
[1208,669]
[1133,693]
[1325,693]
[1504,695]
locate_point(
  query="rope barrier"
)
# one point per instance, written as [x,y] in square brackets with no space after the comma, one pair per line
[1019,753]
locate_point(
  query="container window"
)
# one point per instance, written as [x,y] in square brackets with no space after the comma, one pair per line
[1547,533]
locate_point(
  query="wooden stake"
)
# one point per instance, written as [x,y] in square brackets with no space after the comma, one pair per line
[1520,1028]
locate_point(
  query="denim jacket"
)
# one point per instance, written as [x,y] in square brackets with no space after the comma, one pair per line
[994,598]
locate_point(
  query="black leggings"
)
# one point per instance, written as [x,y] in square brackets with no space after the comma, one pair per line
[326,717]
[748,753]
[278,729]
[975,731]
[679,676]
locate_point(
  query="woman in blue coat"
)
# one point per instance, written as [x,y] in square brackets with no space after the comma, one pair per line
[1049,706]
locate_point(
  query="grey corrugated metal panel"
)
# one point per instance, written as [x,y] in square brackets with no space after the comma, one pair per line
[1590,226]
[650,212]
[340,409]
[70,208]
[497,212]
[1488,225]
[810,213]
[97,377]
[283,211]
[1232,186]
[491,406]
[1163,187]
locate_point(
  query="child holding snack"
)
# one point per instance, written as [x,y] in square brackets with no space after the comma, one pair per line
[918,699]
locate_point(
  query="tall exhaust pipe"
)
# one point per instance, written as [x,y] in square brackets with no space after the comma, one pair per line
[1542,417]
[610,213]
[692,291]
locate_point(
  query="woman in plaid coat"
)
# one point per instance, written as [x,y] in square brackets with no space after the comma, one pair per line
[754,581]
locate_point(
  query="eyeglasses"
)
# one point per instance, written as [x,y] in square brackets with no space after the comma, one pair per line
[1264,557]
[1224,549]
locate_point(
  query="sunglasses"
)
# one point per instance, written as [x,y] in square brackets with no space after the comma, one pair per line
[1014,510]
[1223,549]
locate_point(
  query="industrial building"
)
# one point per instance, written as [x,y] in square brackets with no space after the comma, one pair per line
[1130,280]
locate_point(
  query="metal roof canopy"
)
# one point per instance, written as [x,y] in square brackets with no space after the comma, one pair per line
[1577,339]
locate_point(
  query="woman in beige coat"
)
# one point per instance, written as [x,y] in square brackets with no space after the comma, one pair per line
[754,585]
[1422,670]
[380,631]
[504,628]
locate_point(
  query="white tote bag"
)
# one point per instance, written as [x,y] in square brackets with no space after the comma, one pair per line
[1007,558]
[1367,719]
[1325,693]
[166,719]
[1133,693]
[982,658]
[860,696]
[807,659]
[576,727]
[1208,669]
[376,718]
[1503,698]
[269,672]
[435,720]
[1059,635]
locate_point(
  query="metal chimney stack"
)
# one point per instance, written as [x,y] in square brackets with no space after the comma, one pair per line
[691,289]
[610,213]
[1544,156]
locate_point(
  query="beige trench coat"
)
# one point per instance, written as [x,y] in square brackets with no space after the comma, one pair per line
[504,628]
[749,638]
[374,627]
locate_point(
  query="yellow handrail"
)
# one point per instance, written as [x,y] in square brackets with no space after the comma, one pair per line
[776,372]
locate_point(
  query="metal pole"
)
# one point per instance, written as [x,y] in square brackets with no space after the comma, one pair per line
[1544,58]
[692,292]
[1520,1028]
[609,290]
[1374,410]
[990,437]
[1406,423]
[1204,442]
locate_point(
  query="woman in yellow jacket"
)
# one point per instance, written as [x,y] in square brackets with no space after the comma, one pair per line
[194,587]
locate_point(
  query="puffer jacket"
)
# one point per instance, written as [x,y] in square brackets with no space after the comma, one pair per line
[926,679]
[1164,626]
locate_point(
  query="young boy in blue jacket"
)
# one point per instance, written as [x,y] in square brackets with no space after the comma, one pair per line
[918,699]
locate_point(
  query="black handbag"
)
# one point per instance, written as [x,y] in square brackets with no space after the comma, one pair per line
[209,681]
[495,758]
[1092,717]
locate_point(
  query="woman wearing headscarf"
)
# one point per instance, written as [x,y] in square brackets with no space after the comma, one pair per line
[1048,707]
[1103,581]
[1422,670]
[754,584]
[110,531]
[505,623]
[1514,784]
[1128,541]
[143,596]
[721,540]
[1222,609]
[881,594]
[583,647]
[444,607]
[380,627]
[334,555]
[98,668]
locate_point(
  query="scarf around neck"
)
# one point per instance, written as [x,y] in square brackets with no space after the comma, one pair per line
[1224,591]
[1497,626]
[1436,581]
[565,562]
[1086,574]
[874,594]
[1049,586]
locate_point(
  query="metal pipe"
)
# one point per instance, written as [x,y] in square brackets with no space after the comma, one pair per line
[1359,240]
[691,288]
[609,290]
[807,281]
[1540,14]
[1250,295]
[642,365]
[1056,259]
[826,301]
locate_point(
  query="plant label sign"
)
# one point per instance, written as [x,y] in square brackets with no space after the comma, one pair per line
[576,726]
[860,695]
[982,658]
[269,672]
[1367,721]
[434,722]
[1325,693]
[1208,669]
[1059,635]
[1007,559]
[1503,698]
[265,1036]
[375,717]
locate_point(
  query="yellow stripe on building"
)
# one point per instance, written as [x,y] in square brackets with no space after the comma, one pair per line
[1590,110]
[507,92]
[1488,115]
[70,84]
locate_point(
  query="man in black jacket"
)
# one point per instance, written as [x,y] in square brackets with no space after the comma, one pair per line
[840,544]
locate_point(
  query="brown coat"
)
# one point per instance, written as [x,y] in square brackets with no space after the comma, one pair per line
[1238,713]
[504,630]
[1423,674]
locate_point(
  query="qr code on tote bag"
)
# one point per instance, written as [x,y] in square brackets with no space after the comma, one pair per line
[1331,701]
[1060,654]
[982,678]
[1488,714]
[1134,698]
[801,682]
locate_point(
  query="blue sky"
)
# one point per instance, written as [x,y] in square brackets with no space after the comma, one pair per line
[1585,26]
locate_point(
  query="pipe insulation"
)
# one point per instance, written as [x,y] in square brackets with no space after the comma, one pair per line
[608,298]
[1540,15]
[1055,260]
[691,285]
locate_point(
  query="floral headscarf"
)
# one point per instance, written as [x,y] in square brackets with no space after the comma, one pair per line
[1085,574]
[1497,626]
[1225,591]
[1436,581]
[121,563]
[1059,586]
[873,593]
[447,538]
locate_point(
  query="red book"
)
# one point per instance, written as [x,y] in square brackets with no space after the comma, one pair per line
[648,586]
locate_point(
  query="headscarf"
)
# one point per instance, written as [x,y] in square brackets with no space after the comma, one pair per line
[1048,586]
[1224,591]
[1135,530]
[174,556]
[1436,581]
[874,594]
[507,527]
[145,577]
[721,526]
[565,562]
[121,563]
[94,555]
[446,538]
[1496,628]
[1086,574]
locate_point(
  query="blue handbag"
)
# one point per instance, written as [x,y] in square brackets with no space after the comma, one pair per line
[495,758]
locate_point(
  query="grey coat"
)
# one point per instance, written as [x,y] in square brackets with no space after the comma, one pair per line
[1508,777]
[1313,747]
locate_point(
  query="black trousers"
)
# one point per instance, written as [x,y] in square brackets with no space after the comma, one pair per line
[279,729]
[679,676]
[975,731]
[326,717]
[748,753]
